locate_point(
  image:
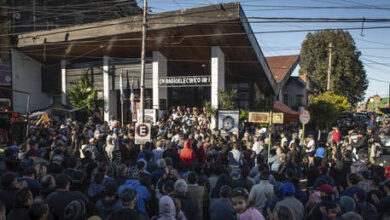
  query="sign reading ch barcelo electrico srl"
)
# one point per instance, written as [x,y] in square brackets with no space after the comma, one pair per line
[184,81]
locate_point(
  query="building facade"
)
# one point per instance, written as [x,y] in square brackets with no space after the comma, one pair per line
[190,55]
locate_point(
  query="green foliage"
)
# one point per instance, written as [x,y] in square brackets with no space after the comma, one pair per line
[244,114]
[83,94]
[327,107]
[348,77]
[262,106]
[227,98]
[209,110]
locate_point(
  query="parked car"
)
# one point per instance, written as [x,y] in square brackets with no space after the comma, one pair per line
[385,143]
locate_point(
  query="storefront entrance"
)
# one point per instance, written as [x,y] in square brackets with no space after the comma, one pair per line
[188,96]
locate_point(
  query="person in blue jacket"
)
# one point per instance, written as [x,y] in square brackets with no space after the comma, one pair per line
[143,195]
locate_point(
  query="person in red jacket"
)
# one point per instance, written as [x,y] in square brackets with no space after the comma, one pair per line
[336,134]
[187,155]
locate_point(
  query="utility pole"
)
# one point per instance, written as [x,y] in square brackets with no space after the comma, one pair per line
[329,66]
[142,89]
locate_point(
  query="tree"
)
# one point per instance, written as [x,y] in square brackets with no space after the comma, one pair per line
[227,97]
[83,94]
[326,108]
[348,77]
[209,110]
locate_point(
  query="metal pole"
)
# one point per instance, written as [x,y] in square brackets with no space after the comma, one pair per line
[142,89]
[122,97]
[269,135]
[28,114]
[329,66]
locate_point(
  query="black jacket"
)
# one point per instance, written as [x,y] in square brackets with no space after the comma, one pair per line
[7,195]
[361,145]
[58,201]
[19,213]
[189,207]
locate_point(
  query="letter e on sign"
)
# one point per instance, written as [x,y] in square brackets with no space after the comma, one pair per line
[142,133]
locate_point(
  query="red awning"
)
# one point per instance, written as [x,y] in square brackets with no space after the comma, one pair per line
[290,116]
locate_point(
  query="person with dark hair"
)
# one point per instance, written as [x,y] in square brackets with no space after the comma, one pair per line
[104,207]
[282,213]
[243,181]
[48,186]
[142,192]
[29,176]
[9,187]
[241,203]
[221,208]
[38,211]
[384,204]
[223,179]
[128,200]
[195,191]
[97,187]
[235,156]
[59,199]
[299,193]
[361,144]
[364,208]
[353,185]
[262,191]
[361,164]
[338,171]
[324,177]
[23,200]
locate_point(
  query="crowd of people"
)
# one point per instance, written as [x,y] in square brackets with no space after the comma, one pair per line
[71,170]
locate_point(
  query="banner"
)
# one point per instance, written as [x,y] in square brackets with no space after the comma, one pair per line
[5,73]
[150,116]
[228,121]
[263,117]
[184,81]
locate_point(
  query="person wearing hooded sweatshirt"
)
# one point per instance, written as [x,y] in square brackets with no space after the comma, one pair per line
[167,210]
[287,191]
[347,204]
[187,155]
[104,207]
[143,195]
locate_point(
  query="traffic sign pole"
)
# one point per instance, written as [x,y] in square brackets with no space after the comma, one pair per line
[304,117]
[269,136]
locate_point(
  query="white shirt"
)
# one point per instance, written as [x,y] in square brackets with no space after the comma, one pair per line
[284,141]
[257,147]
[311,146]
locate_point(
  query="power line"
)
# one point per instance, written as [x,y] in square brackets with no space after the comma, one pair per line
[378,80]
